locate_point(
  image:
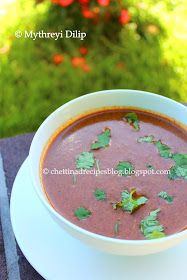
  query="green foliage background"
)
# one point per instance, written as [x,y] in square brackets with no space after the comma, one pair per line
[152,49]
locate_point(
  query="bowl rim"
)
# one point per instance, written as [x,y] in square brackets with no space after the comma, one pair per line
[80,230]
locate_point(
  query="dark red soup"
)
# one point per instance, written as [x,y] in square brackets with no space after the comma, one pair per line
[134,174]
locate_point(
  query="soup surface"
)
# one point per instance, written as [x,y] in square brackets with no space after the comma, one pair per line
[122,200]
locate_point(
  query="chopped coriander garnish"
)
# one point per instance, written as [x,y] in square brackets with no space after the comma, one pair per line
[103,140]
[82,213]
[180,168]
[178,171]
[74,178]
[97,165]
[164,150]
[100,194]
[129,202]
[168,198]
[116,227]
[180,159]
[146,139]
[173,173]
[156,234]
[125,168]
[85,160]
[150,167]
[132,119]
[150,226]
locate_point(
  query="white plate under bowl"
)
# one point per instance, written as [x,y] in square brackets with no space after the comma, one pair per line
[57,256]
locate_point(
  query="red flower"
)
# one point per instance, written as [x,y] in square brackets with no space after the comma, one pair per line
[120,65]
[103,3]
[65,3]
[86,68]
[58,58]
[78,61]
[124,17]
[83,50]
[87,13]
[84,2]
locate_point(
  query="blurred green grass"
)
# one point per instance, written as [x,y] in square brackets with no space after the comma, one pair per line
[148,54]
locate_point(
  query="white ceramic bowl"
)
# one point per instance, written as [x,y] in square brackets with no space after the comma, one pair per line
[134,98]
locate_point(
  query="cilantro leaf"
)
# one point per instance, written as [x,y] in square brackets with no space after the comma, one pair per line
[168,198]
[85,160]
[74,178]
[146,139]
[164,150]
[150,226]
[130,201]
[82,213]
[132,119]
[97,166]
[179,170]
[125,168]
[180,159]
[103,140]
[150,167]
[100,194]
[155,234]
[172,173]
[116,227]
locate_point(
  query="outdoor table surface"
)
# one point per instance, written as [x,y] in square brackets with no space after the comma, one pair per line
[13,151]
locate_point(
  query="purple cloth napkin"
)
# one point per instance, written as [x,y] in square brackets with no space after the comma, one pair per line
[13,265]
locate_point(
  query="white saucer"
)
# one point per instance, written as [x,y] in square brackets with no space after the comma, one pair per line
[56,255]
